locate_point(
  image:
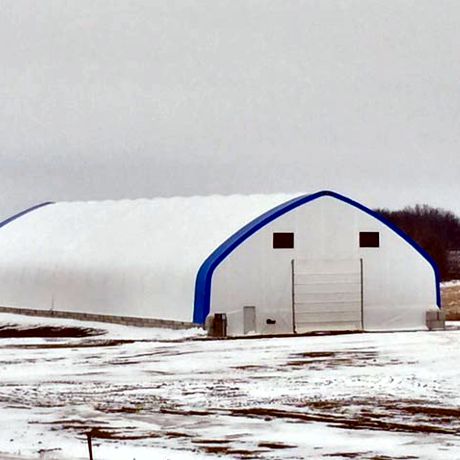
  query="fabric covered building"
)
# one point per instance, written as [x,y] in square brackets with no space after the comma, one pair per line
[273,264]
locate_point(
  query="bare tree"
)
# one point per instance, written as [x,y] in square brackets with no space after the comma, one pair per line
[435,230]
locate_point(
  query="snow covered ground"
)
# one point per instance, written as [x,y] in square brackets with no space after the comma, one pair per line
[451,283]
[159,394]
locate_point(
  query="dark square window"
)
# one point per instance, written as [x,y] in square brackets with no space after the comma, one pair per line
[283,240]
[369,239]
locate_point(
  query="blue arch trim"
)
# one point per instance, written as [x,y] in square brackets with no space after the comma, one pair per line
[26,211]
[204,275]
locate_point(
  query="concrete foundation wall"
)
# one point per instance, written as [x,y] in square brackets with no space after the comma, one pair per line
[125,320]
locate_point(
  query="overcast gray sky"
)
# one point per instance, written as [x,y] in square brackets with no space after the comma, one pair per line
[125,99]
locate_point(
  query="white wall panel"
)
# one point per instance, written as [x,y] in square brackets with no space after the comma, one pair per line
[399,284]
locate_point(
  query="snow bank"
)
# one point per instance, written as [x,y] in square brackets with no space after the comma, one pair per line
[453,283]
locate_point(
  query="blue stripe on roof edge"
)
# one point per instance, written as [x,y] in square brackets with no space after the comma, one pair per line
[204,276]
[26,211]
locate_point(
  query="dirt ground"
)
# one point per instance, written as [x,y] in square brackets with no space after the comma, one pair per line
[146,393]
[451,302]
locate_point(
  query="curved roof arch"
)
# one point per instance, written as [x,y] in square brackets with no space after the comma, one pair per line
[22,213]
[205,273]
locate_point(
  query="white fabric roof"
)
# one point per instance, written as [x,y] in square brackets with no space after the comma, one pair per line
[129,257]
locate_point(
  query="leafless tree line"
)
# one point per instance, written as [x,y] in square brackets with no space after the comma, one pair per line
[435,230]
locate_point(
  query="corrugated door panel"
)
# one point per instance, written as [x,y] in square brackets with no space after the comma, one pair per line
[327,295]
[333,326]
[326,278]
[325,266]
[326,288]
[302,307]
[328,316]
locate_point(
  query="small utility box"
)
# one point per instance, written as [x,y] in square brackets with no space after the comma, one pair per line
[435,320]
[219,325]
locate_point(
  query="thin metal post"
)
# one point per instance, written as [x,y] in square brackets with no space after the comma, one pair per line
[90,445]
[362,294]
[293,296]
